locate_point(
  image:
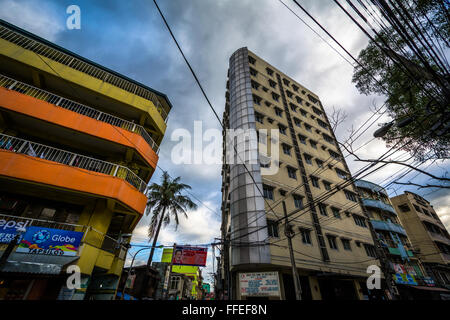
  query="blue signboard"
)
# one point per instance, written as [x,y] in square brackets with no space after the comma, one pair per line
[41,240]
[405,278]
[8,229]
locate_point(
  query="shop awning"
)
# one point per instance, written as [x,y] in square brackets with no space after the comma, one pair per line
[429,288]
[36,263]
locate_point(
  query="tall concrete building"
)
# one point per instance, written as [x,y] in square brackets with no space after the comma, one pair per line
[333,245]
[78,145]
[404,264]
[428,235]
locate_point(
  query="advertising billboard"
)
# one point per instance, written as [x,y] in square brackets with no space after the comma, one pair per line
[189,256]
[259,284]
[41,240]
[404,278]
[8,229]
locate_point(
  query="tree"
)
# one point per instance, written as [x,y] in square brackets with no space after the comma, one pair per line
[405,62]
[165,201]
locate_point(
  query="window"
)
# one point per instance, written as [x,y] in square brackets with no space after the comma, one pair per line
[370,250]
[253,72]
[272,228]
[47,214]
[272,84]
[336,212]
[317,111]
[306,236]
[298,99]
[350,196]
[289,94]
[286,149]
[322,124]
[256,99]
[251,60]
[268,192]
[334,155]
[298,201]
[295,88]
[327,138]
[293,107]
[282,192]
[282,129]
[298,123]
[286,82]
[278,112]
[275,96]
[417,208]
[332,242]
[174,282]
[323,209]
[319,163]
[327,185]
[259,117]
[303,112]
[302,139]
[359,221]
[255,85]
[308,158]
[315,182]
[341,174]
[308,127]
[269,72]
[346,244]
[313,144]
[291,173]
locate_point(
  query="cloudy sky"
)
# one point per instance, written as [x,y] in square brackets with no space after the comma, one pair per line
[129,37]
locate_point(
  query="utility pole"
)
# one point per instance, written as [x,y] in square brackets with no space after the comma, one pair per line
[289,235]
[169,274]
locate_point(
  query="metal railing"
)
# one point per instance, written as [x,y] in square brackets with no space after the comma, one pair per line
[41,151]
[91,235]
[79,108]
[80,65]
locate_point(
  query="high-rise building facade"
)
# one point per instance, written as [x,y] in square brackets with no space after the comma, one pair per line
[78,145]
[404,265]
[427,234]
[332,243]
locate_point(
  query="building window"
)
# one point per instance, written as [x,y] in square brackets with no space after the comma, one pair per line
[272,84]
[259,118]
[302,139]
[272,228]
[286,149]
[293,107]
[298,201]
[308,127]
[303,112]
[315,182]
[278,112]
[251,60]
[291,173]
[255,85]
[359,221]
[323,209]
[289,94]
[317,111]
[370,250]
[306,236]
[257,100]
[319,163]
[327,185]
[327,138]
[269,72]
[268,192]
[346,244]
[332,242]
[298,123]
[286,82]
[253,72]
[417,208]
[298,99]
[282,129]
[275,96]
[313,144]
[336,212]
[341,174]
[322,124]
[295,88]
[334,155]
[308,158]
[174,283]
[350,196]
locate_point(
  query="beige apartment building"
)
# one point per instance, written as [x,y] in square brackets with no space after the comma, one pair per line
[332,244]
[427,234]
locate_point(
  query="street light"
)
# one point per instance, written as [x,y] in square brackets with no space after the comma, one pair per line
[387,126]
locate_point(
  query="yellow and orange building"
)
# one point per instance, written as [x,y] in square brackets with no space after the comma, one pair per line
[78,146]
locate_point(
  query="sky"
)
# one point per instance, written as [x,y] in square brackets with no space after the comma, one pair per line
[130,38]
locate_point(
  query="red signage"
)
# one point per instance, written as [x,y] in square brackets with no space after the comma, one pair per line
[190,256]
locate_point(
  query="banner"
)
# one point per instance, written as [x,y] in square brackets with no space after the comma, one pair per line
[404,278]
[190,256]
[259,284]
[41,240]
[8,229]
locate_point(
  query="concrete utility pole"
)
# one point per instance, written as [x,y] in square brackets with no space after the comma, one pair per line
[169,273]
[289,235]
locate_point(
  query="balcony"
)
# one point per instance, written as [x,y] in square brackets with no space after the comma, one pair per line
[23,88]
[34,162]
[388,226]
[379,205]
[438,237]
[62,57]
[370,186]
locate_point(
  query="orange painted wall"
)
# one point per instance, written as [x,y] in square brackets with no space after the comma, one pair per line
[43,110]
[24,167]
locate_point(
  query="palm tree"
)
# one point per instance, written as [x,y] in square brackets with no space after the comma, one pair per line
[165,201]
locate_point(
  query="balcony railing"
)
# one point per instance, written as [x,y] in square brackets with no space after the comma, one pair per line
[370,186]
[71,159]
[73,62]
[378,204]
[91,235]
[79,108]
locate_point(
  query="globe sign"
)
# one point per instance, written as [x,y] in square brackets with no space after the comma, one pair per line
[41,236]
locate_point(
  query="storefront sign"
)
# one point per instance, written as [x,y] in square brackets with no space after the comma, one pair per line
[258,284]
[8,229]
[429,281]
[190,256]
[40,240]
[404,278]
